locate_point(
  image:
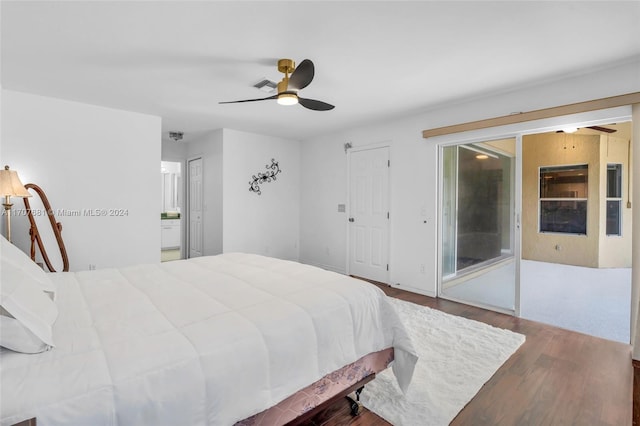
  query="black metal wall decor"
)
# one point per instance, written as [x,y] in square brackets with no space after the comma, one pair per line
[272,170]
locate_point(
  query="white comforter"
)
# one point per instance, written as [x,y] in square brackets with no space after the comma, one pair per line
[206,341]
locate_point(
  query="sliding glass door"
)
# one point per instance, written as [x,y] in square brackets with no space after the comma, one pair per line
[478,217]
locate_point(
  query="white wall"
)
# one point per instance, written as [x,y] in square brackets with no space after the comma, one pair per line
[173,151]
[209,147]
[323,230]
[414,164]
[87,157]
[268,223]
[235,219]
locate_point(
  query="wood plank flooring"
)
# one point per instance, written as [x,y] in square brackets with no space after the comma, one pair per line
[557,377]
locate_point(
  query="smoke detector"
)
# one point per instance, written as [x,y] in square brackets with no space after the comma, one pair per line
[176,136]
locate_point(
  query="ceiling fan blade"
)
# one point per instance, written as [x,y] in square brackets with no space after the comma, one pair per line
[602,129]
[250,100]
[302,75]
[314,105]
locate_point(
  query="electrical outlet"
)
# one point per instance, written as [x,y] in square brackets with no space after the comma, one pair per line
[92,267]
[422,268]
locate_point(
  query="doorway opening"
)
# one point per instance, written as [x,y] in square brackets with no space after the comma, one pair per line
[569,262]
[576,229]
[171,211]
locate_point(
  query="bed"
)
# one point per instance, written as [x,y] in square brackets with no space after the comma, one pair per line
[214,340]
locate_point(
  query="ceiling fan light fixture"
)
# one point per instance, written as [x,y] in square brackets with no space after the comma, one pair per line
[295,79]
[287,99]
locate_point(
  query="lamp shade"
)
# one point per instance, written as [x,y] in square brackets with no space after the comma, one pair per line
[10,185]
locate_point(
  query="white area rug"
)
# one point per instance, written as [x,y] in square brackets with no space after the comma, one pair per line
[457,357]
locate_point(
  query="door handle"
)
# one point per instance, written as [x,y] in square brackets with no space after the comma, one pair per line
[351,219]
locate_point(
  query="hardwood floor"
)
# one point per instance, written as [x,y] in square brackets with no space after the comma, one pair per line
[557,377]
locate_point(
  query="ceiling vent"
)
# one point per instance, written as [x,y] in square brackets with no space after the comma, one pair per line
[266,85]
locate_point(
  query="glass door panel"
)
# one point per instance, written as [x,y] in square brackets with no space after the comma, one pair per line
[478,223]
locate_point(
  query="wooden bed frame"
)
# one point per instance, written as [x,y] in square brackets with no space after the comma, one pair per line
[354,404]
[35,234]
[306,417]
[346,383]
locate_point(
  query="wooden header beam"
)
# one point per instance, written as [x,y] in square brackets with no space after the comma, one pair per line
[603,103]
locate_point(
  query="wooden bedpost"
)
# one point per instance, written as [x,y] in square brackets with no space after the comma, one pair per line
[636,392]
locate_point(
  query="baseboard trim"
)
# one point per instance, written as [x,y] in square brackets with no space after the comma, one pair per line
[326,267]
[415,290]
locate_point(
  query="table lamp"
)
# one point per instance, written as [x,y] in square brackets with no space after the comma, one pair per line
[10,186]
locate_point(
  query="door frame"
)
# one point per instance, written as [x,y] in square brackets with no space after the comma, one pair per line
[187,237]
[516,130]
[378,145]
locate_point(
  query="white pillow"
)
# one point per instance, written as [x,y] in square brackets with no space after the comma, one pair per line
[17,337]
[22,296]
[12,254]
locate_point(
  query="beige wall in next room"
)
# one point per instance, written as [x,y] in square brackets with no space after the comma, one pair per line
[595,249]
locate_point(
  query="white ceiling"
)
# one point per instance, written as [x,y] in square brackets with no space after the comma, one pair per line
[374,60]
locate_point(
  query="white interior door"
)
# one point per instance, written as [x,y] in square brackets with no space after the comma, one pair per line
[369,214]
[195,207]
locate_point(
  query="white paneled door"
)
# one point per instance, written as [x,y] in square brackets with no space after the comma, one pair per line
[369,214]
[195,207]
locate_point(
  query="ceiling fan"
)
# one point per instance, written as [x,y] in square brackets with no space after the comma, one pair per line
[597,128]
[294,80]
[602,129]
